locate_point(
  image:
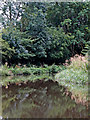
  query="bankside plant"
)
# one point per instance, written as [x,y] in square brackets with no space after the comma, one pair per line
[77,62]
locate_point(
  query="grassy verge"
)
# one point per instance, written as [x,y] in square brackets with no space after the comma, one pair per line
[75,78]
[23,70]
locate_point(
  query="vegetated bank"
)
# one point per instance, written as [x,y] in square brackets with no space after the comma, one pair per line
[73,75]
[75,78]
[45,33]
[22,73]
[5,70]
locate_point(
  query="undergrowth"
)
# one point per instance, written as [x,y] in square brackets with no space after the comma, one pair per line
[5,70]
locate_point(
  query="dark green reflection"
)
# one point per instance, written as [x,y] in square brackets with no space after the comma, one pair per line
[40,100]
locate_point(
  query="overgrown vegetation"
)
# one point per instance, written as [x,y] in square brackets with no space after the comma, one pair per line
[24,70]
[76,72]
[46,38]
[39,33]
[75,77]
[19,80]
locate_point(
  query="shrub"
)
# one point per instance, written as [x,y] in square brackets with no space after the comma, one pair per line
[77,62]
[76,71]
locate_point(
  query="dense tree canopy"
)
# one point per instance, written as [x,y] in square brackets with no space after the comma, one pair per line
[44,32]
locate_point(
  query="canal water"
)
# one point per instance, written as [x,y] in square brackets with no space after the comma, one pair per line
[40,99]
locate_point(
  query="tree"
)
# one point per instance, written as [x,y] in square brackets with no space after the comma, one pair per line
[5,51]
[45,32]
[73,18]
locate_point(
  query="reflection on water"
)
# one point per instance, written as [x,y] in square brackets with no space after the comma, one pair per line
[40,100]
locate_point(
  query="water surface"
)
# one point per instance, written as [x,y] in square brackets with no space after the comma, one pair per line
[40,99]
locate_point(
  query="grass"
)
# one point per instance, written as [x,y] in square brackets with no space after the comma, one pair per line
[75,77]
[19,74]
[24,70]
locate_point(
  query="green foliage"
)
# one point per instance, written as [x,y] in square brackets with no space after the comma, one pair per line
[73,18]
[6,50]
[36,30]
[73,77]
[76,81]
[13,38]
[18,70]
[76,72]
[79,62]
[59,47]
[44,32]
[85,49]
[24,79]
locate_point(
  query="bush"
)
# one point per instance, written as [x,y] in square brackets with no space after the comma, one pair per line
[77,62]
[76,72]
[55,68]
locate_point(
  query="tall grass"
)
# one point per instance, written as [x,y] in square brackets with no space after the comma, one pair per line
[75,77]
[76,71]
[78,62]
